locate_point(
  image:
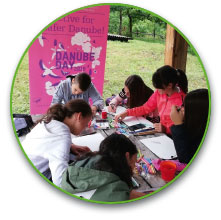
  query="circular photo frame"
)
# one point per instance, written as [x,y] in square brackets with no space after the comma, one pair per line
[110,103]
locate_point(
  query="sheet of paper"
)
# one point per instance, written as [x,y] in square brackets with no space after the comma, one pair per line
[161,146]
[86,195]
[133,120]
[92,141]
[119,109]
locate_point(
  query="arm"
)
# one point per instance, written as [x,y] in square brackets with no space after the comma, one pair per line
[116,101]
[146,108]
[58,95]
[57,166]
[58,158]
[96,97]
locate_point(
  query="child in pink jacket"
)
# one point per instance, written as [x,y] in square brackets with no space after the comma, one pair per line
[171,85]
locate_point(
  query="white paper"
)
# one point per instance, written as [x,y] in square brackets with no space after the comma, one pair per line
[92,141]
[161,146]
[132,120]
[119,110]
[86,195]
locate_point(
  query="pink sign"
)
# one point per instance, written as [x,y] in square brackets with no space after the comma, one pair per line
[76,43]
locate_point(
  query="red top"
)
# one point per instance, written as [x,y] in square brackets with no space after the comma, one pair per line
[163,104]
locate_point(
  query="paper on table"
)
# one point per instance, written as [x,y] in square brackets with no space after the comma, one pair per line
[86,195]
[161,146]
[119,110]
[132,120]
[92,141]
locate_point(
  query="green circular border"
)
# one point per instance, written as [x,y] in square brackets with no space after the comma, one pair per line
[152,13]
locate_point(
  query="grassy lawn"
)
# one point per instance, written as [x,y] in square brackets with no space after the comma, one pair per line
[123,59]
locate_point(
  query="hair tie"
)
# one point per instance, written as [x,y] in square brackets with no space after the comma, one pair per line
[177,72]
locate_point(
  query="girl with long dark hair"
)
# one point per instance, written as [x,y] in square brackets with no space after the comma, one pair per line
[190,123]
[135,91]
[108,172]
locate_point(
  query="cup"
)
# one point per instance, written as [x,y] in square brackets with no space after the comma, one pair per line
[168,169]
[103,114]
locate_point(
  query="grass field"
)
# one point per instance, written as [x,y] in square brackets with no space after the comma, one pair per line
[122,59]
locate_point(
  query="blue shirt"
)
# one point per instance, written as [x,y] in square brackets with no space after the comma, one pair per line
[63,94]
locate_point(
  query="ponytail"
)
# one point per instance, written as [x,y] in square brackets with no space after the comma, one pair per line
[167,74]
[59,112]
[182,80]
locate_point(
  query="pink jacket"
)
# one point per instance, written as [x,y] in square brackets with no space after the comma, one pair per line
[161,102]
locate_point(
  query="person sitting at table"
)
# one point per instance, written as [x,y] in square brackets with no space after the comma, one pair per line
[107,171]
[171,88]
[48,145]
[190,123]
[136,93]
[78,87]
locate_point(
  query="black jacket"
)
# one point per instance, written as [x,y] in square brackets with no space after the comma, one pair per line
[184,145]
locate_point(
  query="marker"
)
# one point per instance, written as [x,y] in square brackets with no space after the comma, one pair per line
[135,182]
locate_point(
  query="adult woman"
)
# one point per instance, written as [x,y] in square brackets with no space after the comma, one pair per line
[190,123]
[108,172]
[49,143]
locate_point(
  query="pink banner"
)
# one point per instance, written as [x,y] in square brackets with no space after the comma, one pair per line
[76,43]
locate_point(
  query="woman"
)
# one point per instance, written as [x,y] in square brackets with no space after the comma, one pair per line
[49,143]
[190,123]
[108,172]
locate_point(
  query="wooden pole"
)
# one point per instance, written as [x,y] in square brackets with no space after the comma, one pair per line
[175,49]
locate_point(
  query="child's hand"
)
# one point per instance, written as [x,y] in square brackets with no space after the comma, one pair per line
[94,110]
[77,150]
[159,128]
[177,116]
[120,117]
[111,108]
[134,194]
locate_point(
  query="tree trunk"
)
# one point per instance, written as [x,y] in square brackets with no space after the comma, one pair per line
[130,25]
[120,25]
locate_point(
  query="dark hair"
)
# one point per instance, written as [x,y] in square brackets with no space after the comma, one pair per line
[59,112]
[196,107]
[83,79]
[167,74]
[139,92]
[112,150]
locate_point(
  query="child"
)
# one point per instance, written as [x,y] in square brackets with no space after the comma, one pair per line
[190,123]
[107,171]
[171,88]
[49,143]
[136,93]
[78,87]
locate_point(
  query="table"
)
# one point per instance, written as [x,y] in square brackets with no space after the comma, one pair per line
[153,182]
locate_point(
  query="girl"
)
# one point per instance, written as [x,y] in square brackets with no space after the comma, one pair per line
[190,123]
[107,171]
[171,88]
[49,143]
[136,93]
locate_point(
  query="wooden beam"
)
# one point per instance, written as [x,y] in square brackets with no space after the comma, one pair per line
[175,49]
